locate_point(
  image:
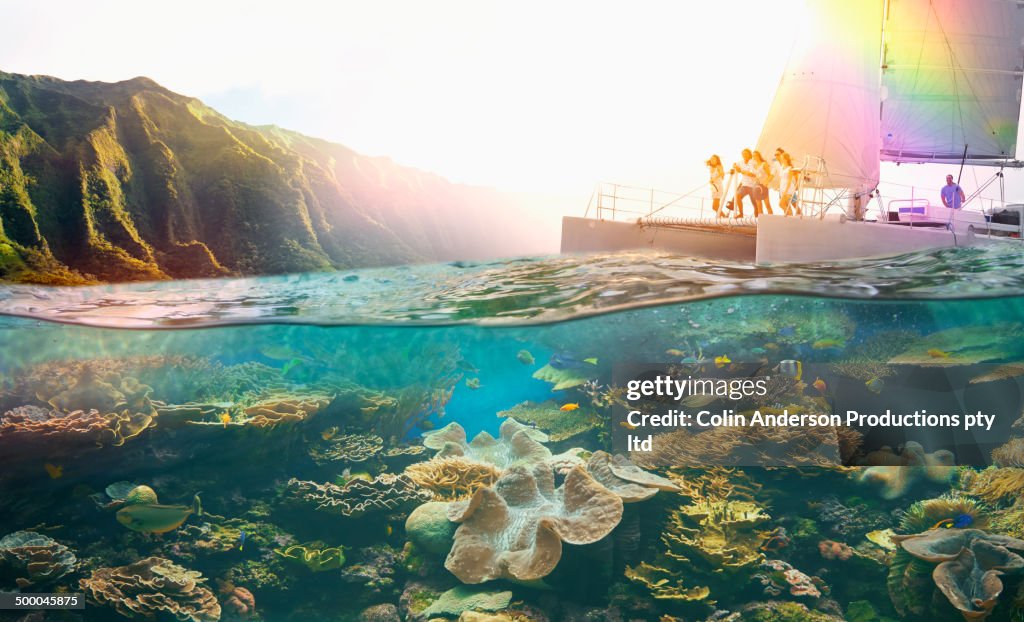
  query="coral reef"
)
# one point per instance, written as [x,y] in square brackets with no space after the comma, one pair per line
[897,472]
[374,568]
[548,417]
[463,598]
[708,544]
[239,602]
[452,478]
[348,448]
[779,577]
[995,486]
[969,562]
[1000,372]
[150,587]
[748,446]
[515,530]
[314,555]
[63,432]
[384,493]
[34,559]
[281,409]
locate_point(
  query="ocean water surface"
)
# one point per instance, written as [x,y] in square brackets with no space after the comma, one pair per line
[419,442]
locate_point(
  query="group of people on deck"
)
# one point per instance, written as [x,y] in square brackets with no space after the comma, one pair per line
[756,177]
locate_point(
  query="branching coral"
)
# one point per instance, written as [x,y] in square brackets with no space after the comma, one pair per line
[707,545]
[515,529]
[34,559]
[151,587]
[385,492]
[452,478]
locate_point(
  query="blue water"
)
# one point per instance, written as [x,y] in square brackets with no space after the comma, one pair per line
[398,353]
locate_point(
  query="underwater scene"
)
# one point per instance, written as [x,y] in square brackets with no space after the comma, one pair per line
[456,443]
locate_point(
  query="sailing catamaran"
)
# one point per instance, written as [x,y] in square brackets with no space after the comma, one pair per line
[941,84]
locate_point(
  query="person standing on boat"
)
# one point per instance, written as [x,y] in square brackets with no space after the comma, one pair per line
[764,177]
[787,183]
[717,176]
[748,184]
[776,169]
[952,194]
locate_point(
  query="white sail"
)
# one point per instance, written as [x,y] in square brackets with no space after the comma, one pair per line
[951,78]
[826,105]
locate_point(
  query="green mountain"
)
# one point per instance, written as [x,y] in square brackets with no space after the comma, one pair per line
[130,181]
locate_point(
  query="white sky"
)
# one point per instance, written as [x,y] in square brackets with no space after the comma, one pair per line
[524,95]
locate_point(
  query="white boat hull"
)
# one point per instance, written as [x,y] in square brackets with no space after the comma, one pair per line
[777,239]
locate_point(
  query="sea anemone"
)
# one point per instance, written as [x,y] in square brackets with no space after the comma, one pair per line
[930,513]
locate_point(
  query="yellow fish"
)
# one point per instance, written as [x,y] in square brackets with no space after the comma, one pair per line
[592,360]
[569,407]
[225,419]
[155,518]
[627,425]
[935,353]
[822,344]
[875,385]
[722,361]
[53,470]
[389,530]
[329,433]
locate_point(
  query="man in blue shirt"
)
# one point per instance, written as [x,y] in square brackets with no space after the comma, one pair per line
[952,194]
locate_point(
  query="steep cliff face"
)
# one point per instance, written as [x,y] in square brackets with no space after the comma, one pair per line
[130,181]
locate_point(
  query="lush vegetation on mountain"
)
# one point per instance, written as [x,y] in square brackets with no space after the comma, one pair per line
[130,181]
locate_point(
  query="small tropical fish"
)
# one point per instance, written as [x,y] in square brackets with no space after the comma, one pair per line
[675,352]
[561,360]
[241,540]
[960,522]
[935,353]
[388,529]
[791,368]
[823,344]
[53,470]
[771,346]
[524,357]
[225,419]
[426,425]
[329,433]
[289,365]
[758,351]
[569,407]
[875,385]
[473,383]
[628,425]
[722,361]
[155,518]
[819,384]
